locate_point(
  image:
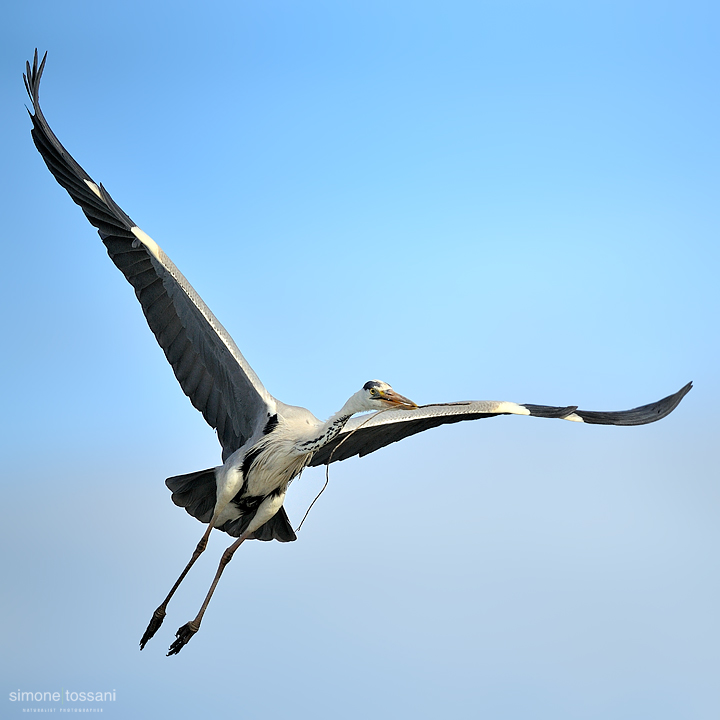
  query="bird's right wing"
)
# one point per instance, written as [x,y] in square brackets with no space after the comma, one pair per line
[208,365]
[364,434]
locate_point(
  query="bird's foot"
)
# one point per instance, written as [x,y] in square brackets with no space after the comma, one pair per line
[155,622]
[183,637]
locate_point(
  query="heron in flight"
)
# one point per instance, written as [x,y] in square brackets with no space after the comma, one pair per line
[265,443]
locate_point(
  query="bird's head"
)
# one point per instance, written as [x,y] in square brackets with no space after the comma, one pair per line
[378,395]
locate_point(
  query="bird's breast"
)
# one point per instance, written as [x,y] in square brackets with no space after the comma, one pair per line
[271,463]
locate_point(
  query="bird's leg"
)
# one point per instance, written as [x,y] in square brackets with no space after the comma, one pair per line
[185,633]
[268,507]
[159,615]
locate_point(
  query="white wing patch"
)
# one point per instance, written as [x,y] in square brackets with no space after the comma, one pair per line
[141,235]
[573,417]
[94,188]
[510,407]
[147,241]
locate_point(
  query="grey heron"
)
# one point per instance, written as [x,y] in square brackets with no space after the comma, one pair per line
[265,442]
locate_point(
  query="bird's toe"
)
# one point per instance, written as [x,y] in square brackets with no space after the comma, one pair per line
[183,637]
[155,622]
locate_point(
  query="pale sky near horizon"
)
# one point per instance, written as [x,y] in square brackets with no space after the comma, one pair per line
[469,200]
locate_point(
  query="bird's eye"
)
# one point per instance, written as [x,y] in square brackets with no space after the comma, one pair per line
[373,391]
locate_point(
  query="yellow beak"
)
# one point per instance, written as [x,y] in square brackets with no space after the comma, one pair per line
[395,400]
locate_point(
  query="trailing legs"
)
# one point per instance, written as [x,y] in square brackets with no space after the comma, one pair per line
[268,507]
[159,615]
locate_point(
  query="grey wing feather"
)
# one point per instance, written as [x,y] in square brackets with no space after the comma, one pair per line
[365,434]
[637,416]
[208,365]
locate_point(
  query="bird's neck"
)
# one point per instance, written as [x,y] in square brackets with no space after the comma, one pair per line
[332,426]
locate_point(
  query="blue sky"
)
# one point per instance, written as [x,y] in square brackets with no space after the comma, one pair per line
[513,201]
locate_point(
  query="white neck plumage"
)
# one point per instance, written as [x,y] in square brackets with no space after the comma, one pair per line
[331,427]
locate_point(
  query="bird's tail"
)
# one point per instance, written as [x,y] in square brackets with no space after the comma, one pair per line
[278,527]
[196,492]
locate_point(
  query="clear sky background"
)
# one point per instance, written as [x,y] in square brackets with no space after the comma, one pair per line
[469,200]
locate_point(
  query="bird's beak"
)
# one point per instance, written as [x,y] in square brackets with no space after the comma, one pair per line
[396,401]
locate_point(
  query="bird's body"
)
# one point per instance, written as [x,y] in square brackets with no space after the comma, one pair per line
[265,443]
[261,470]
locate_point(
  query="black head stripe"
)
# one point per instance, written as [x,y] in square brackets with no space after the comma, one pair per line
[371,384]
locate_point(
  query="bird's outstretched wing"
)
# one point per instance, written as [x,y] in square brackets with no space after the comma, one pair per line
[365,434]
[208,365]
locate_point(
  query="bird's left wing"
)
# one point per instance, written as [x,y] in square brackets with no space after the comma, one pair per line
[365,434]
[208,365]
